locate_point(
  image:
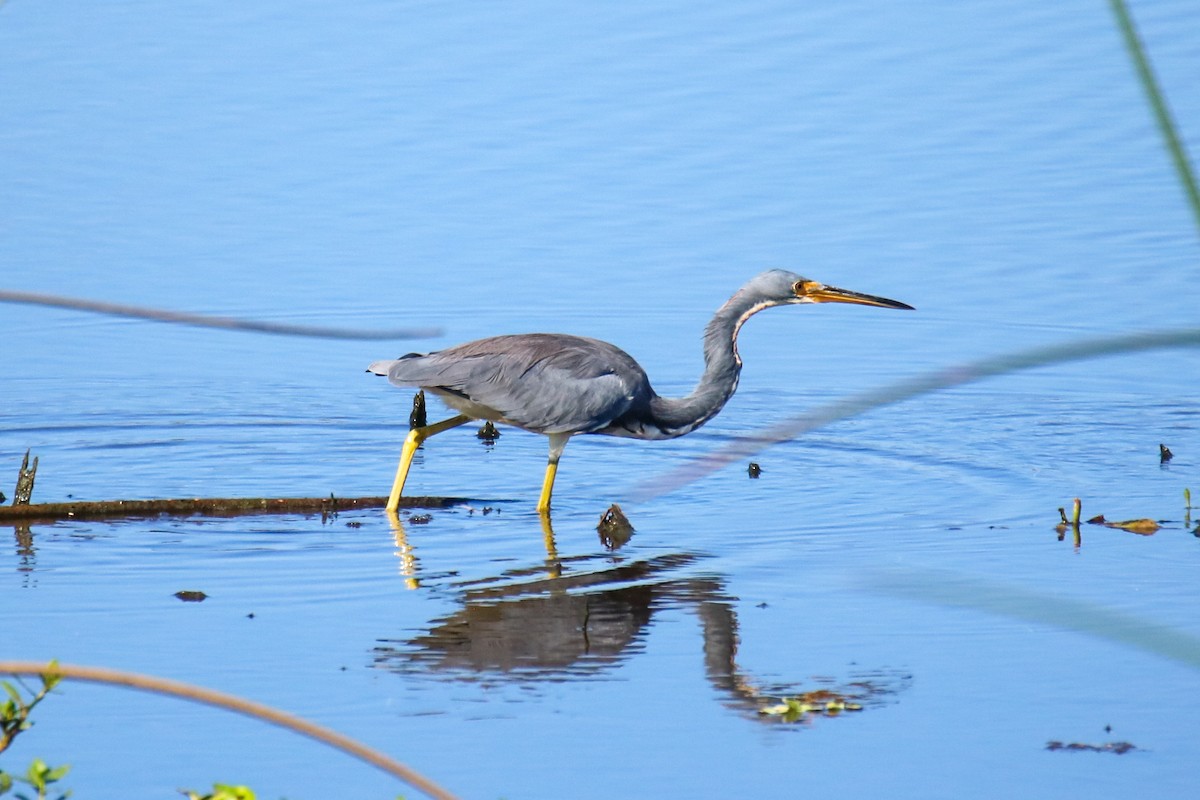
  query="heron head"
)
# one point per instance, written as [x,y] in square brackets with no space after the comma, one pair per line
[802,290]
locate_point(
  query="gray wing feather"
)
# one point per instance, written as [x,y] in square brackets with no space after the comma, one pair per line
[548,383]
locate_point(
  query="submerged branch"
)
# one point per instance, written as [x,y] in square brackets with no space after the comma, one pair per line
[210,506]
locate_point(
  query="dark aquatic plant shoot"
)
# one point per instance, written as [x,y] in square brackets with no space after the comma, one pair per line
[488,433]
[418,418]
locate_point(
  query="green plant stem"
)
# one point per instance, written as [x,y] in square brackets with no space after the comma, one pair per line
[1159,104]
[745,446]
[210,321]
[199,694]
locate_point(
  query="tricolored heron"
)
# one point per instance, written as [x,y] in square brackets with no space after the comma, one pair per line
[561,385]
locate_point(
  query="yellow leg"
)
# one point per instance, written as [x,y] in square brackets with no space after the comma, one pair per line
[411,443]
[557,442]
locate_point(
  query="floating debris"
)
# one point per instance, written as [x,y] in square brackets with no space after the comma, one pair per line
[488,432]
[614,528]
[1164,454]
[754,470]
[1144,527]
[420,519]
[191,596]
[1119,748]
[819,702]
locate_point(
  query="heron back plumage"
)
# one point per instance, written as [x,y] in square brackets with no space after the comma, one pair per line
[542,382]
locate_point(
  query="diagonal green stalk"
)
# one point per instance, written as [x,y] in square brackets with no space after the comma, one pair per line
[1159,104]
[853,405]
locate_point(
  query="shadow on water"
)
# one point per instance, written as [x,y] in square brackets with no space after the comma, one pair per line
[581,617]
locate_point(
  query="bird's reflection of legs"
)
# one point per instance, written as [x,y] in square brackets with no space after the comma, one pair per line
[410,566]
[408,559]
[411,443]
[553,565]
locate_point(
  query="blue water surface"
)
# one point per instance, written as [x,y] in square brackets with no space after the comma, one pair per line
[614,171]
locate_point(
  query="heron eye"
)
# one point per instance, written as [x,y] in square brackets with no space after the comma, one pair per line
[800,288]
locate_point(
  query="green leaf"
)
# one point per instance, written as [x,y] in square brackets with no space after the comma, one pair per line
[51,677]
[34,775]
[6,782]
[57,773]
[12,692]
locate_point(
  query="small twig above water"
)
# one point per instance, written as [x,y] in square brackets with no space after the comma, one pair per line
[25,478]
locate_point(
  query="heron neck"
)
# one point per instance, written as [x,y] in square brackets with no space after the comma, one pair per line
[722,365]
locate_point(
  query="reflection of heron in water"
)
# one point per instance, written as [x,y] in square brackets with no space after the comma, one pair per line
[526,628]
